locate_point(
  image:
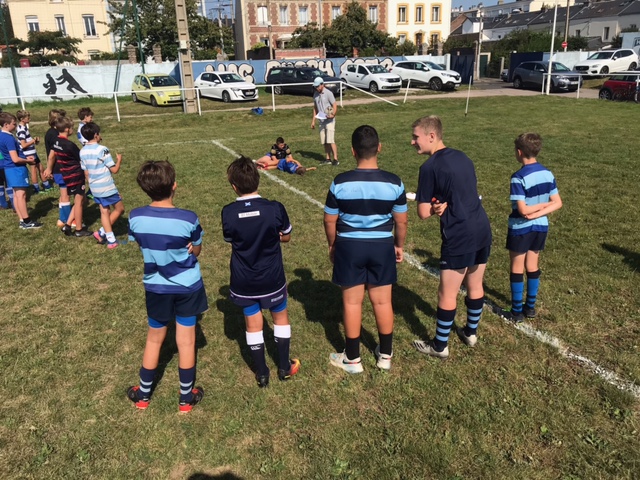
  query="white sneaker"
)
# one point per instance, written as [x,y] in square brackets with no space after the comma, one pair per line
[350,366]
[428,349]
[470,340]
[384,360]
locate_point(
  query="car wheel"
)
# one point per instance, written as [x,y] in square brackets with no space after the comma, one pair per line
[517,82]
[435,84]
[226,98]
[604,70]
[277,90]
[373,87]
[154,102]
[605,94]
[633,66]
[134,98]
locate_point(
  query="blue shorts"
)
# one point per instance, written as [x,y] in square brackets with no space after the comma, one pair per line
[266,302]
[458,262]
[165,307]
[358,262]
[108,201]
[57,177]
[17,177]
[289,167]
[533,241]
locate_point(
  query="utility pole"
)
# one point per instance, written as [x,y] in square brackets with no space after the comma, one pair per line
[184,49]
[566,27]
[6,41]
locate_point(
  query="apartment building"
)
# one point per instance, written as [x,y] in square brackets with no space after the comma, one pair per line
[423,22]
[83,19]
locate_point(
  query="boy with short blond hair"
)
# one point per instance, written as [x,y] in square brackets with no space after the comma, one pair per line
[533,195]
[28,145]
[98,164]
[172,281]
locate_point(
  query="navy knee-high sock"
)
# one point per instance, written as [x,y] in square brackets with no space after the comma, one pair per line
[187,378]
[474,312]
[255,341]
[146,382]
[444,322]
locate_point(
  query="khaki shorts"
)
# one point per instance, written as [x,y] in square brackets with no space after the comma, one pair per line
[328,133]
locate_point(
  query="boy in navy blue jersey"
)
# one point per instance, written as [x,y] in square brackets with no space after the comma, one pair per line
[365,220]
[447,187]
[533,195]
[255,227]
[280,157]
[170,239]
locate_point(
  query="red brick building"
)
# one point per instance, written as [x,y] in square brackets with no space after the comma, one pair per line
[272,22]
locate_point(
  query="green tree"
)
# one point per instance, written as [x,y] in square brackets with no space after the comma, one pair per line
[47,48]
[6,18]
[157,24]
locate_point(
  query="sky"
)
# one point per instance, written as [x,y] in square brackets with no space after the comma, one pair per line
[468,3]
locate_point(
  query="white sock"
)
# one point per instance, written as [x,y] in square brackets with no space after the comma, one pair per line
[111,237]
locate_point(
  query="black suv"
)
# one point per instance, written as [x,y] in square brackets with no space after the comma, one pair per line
[535,73]
[303,76]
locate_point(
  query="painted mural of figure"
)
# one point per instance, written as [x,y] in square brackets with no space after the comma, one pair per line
[72,83]
[51,88]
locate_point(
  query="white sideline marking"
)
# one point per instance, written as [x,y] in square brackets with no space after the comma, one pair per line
[607,375]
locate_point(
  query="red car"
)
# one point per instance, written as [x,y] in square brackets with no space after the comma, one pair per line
[621,87]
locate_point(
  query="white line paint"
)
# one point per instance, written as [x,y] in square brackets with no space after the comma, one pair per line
[607,375]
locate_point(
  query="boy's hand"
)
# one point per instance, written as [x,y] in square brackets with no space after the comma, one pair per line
[399,254]
[313,124]
[31,160]
[189,248]
[119,157]
[37,140]
[332,251]
[438,208]
[47,174]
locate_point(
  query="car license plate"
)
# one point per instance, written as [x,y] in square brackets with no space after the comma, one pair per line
[573,83]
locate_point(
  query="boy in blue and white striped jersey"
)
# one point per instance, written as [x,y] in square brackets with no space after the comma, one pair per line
[170,240]
[28,145]
[98,164]
[533,195]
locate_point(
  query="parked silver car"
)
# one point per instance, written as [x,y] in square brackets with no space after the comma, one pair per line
[533,74]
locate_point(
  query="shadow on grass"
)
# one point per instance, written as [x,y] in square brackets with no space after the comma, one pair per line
[234,328]
[632,259]
[322,303]
[170,349]
[310,155]
[221,476]
[407,304]
[43,206]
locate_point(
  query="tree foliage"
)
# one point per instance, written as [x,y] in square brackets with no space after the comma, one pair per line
[158,26]
[348,31]
[47,48]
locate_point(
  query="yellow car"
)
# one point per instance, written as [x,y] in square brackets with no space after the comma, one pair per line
[156,89]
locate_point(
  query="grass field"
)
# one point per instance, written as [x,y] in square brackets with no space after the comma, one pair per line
[73,318]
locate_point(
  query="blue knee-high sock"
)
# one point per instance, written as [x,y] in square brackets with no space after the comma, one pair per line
[444,322]
[187,379]
[474,312]
[146,382]
[64,211]
[3,199]
[533,282]
[517,290]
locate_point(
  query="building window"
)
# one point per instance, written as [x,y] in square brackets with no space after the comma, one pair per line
[60,24]
[263,17]
[402,14]
[633,27]
[435,14]
[303,15]
[373,14]
[32,23]
[335,12]
[577,33]
[419,18]
[284,15]
[402,38]
[434,40]
[265,40]
[606,33]
[89,26]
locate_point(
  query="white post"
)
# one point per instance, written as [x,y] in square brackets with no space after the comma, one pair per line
[406,92]
[198,100]
[115,98]
[468,95]
[273,98]
[553,37]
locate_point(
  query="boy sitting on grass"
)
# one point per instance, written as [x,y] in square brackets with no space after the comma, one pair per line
[255,227]
[99,165]
[280,157]
[534,195]
[170,239]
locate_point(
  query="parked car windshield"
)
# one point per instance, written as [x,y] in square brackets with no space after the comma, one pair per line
[558,67]
[600,56]
[377,69]
[318,73]
[231,77]
[163,82]
[434,66]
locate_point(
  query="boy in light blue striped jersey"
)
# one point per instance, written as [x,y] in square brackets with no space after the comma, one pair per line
[98,164]
[170,240]
[533,196]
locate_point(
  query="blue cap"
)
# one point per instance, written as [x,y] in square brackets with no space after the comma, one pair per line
[318,81]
